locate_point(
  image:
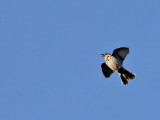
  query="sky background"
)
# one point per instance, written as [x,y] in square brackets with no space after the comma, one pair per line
[50,59]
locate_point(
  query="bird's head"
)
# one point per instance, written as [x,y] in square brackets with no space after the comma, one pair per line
[105,55]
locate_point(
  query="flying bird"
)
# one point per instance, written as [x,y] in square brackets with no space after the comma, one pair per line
[113,63]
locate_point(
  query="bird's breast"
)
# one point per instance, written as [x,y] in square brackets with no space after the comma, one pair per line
[113,63]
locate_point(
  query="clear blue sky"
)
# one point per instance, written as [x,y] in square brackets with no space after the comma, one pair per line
[50,58]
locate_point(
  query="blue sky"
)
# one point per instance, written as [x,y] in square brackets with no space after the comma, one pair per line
[50,58]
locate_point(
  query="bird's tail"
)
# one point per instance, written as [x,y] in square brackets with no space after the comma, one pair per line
[123,79]
[126,74]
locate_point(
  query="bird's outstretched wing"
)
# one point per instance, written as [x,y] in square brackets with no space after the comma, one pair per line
[121,53]
[106,70]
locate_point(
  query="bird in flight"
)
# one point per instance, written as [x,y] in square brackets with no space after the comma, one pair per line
[113,63]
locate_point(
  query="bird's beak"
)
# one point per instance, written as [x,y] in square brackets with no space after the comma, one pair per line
[102,55]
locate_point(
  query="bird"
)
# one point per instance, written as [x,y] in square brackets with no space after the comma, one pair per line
[114,63]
